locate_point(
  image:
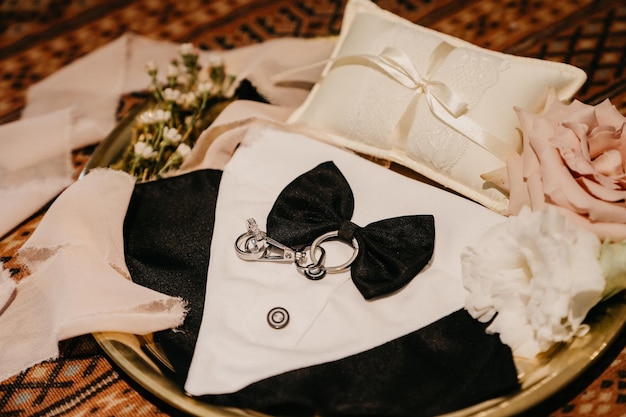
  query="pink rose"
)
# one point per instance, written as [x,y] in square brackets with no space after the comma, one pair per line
[574,157]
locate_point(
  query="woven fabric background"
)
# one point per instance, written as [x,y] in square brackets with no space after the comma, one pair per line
[37,37]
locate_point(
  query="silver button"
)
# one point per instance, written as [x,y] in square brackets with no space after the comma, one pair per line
[278,317]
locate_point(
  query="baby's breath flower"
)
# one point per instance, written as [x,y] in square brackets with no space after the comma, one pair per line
[172,75]
[171,94]
[151,68]
[183,150]
[182,107]
[162,116]
[145,151]
[187,49]
[171,134]
[172,70]
[146,118]
[205,87]
[184,78]
[215,60]
[187,100]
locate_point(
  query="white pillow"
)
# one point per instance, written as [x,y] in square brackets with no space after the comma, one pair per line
[371,99]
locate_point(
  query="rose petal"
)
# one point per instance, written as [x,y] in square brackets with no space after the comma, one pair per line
[563,190]
[604,138]
[609,163]
[615,232]
[573,152]
[620,182]
[518,189]
[580,131]
[578,112]
[611,183]
[603,193]
[608,115]
[536,193]
[557,181]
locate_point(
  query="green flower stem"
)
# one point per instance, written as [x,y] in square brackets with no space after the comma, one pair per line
[173,160]
[187,133]
[158,92]
[159,134]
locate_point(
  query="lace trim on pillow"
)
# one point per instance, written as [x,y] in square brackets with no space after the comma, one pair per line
[442,100]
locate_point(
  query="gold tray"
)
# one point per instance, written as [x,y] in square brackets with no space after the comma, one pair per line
[539,382]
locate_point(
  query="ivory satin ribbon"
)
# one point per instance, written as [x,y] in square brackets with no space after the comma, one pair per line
[443,102]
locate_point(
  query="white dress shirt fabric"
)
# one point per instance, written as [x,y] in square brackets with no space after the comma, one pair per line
[329,319]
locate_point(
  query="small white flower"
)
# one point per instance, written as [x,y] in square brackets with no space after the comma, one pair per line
[172,71]
[147,118]
[183,78]
[187,99]
[144,150]
[140,147]
[205,87]
[215,60]
[187,49]
[171,134]
[183,150]
[151,67]
[171,94]
[536,276]
[162,116]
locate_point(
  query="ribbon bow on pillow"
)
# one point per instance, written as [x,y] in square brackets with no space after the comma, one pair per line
[391,252]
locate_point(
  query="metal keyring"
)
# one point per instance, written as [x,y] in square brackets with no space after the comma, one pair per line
[338,268]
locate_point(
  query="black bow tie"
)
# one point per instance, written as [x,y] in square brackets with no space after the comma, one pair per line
[391,251]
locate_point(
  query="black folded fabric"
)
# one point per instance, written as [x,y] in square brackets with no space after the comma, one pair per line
[444,367]
[448,365]
[167,239]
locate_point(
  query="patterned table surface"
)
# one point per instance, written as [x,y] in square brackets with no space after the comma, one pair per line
[41,36]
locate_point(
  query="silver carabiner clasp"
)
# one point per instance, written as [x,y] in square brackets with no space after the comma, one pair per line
[255,245]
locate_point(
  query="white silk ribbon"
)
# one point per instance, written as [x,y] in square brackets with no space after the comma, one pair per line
[443,101]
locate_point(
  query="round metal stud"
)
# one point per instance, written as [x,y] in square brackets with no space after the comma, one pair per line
[278,317]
